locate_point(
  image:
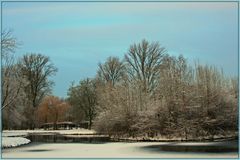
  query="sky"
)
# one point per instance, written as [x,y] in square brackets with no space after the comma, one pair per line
[78,35]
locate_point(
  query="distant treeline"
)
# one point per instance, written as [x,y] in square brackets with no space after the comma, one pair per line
[151,93]
[147,93]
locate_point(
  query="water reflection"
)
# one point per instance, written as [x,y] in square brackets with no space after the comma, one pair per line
[57,138]
[38,150]
[215,147]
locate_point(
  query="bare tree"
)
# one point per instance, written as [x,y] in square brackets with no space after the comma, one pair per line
[36,69]
[179,100]
[83,96]
[111,71]
[10,82]
[144,60]
[117,109]
[9,43]
[210,82]
[235,88]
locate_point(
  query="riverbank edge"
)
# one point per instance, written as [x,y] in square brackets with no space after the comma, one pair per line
[21,133]
[17,138]
[13,142]
[159,139]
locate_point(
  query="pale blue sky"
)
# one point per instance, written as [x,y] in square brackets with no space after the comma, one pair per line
[77,35]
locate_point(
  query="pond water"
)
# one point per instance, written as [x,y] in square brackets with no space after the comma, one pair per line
[196,147]
[100,146]
[211,147]
[58,138]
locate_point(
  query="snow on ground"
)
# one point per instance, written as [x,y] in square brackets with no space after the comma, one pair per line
[83,150]
[8,142]
[13,138]
[87,135]
[64,132]
[105,150]
[230,135]
[13,134]
[76,131]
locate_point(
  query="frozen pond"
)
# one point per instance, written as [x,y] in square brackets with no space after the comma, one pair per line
[72,146]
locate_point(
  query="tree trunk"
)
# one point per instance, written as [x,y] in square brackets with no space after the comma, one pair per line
[90,122]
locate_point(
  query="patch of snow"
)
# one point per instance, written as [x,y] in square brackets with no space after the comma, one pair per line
[13,138]
[76,131]
[86,135]
[8,142]
[13,134]
[10,133]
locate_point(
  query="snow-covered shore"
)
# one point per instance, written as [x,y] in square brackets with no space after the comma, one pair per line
[63,132]
[174,139]
[13,134]
[159,138]
[14,138]
[8,142]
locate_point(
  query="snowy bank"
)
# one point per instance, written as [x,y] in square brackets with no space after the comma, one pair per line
[13,134]
[13,138]
[81,131]
[8,142]
[175,139]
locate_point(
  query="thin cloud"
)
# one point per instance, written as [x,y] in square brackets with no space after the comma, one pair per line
[106,8]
